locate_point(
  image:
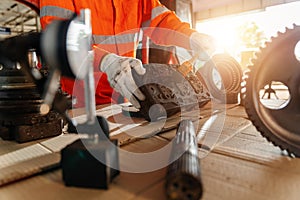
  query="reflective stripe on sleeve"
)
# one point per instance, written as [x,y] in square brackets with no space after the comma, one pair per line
[115,39]
[154,13]
[158,11]
[55,11]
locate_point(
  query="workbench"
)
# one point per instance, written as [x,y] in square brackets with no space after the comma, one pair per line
[240,165]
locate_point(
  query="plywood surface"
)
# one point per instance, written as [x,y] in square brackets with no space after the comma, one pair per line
[240,165]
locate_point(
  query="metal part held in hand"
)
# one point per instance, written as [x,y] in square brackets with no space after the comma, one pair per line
[183,180]
[164,85]
[187,67]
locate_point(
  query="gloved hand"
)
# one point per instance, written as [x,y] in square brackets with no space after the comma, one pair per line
[203,45]
[118,70]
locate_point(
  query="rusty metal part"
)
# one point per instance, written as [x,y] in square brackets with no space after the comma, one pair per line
[186,68]
[18,95]
[20,101]
[223,76]
[48,126]
[168,91]
[276,68]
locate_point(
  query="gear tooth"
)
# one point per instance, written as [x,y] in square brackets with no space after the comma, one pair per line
[280,33]
[273,37]
[246,73]
[295,26]
[266,44]
[268,40]
[287,29]
[253,61]
[263,45]
[256,54]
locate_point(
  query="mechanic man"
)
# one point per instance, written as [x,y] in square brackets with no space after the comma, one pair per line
[116,25]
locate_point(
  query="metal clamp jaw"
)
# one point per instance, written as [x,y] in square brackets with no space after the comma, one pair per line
[66,47]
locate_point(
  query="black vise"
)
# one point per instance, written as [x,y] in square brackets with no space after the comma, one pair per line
[91,162]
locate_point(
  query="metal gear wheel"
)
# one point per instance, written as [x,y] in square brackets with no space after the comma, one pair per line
[272,91]
[223,76]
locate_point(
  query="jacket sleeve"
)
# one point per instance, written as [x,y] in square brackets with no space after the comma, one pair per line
[55,9]
[163,26]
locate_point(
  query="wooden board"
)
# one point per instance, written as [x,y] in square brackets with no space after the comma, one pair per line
[33,158]
[242,165]
[227,177]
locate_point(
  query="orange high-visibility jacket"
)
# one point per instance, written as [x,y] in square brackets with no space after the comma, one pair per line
[116,25]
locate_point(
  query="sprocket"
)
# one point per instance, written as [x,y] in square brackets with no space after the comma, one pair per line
[276,71]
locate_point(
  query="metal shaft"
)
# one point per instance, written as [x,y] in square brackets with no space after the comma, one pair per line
[183,181]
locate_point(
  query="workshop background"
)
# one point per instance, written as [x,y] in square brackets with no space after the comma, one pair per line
[254,157]
[225,20]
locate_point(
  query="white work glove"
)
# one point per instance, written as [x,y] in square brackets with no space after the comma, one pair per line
[118,70]
[203,45]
